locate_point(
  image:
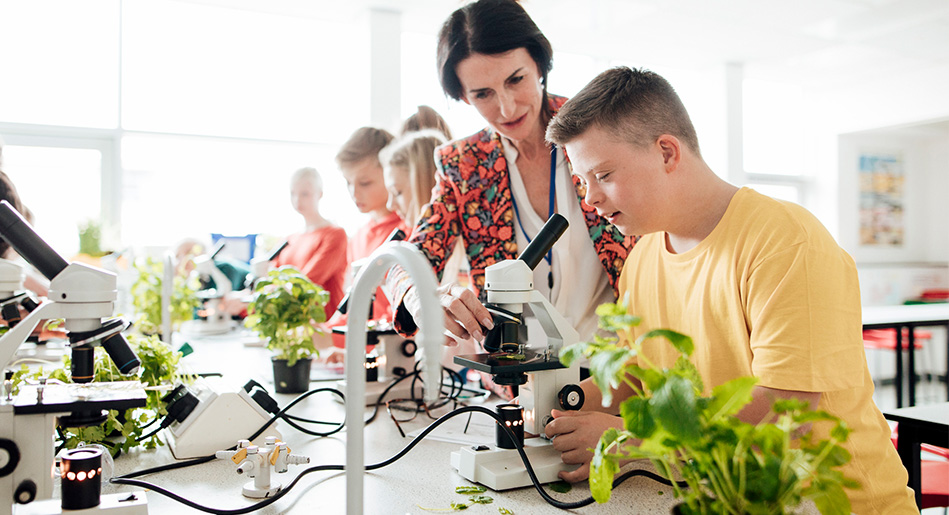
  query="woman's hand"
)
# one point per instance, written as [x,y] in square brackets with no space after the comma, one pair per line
[574,433]
[465,316]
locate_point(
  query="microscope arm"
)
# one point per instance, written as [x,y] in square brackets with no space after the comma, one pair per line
[559,331]
[206,266]
[18,334]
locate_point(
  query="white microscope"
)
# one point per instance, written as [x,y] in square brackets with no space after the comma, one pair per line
[84,297]
[542,382]
[213,319]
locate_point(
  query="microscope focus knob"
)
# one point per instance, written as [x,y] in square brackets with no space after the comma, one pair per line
[25,492]
[571,397]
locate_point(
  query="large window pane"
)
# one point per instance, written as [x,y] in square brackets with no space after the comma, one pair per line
[420,86]
[773,127]
[60,62]
[60,186]
[177,187]
[201,69]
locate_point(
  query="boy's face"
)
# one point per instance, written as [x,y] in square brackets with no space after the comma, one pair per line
[623,181]
[366,185]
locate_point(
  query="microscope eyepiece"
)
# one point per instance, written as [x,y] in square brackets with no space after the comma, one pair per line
[18,233]
[544,241]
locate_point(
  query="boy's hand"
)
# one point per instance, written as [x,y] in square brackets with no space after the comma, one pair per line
[465,316]
[574,433]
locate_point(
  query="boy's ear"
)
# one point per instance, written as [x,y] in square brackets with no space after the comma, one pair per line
[464,98]
[671,151]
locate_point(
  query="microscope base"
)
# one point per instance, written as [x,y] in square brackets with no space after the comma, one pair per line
[502,469]
[251,490]
[403,390]
[126,503]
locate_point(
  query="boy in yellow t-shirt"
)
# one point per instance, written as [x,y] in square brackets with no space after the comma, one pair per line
[759,284]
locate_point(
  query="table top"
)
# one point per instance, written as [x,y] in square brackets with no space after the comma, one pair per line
[930,414]
[913,313]
[424,478]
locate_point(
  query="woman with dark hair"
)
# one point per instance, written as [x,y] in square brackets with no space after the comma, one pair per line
[496,189]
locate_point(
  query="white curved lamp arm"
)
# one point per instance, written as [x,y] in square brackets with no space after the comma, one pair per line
[429,339]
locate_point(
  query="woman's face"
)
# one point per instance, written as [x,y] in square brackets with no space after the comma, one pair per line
[506,90]
[400,192]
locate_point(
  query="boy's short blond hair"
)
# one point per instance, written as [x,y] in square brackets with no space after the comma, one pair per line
[307,174]
[366,142]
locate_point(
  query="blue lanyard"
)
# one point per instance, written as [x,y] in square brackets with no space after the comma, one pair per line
[550,212]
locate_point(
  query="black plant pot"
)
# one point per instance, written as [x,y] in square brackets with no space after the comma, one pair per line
[295,379]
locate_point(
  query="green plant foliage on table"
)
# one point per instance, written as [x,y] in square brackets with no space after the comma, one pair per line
[730,466]
[146,296]
[121,431]
[285,306]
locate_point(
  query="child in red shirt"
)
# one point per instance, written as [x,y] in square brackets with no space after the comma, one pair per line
[316,251]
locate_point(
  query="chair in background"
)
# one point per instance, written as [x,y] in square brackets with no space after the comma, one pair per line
[934,475]
[885,340]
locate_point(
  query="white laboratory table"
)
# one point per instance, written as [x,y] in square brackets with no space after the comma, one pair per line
[910,317]
[423,478]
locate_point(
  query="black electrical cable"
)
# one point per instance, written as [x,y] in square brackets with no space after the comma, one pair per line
[405,450]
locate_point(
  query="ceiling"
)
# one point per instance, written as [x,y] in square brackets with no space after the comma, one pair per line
[812,42]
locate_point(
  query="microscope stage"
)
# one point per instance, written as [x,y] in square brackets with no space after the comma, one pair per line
[504,363]
[60,398]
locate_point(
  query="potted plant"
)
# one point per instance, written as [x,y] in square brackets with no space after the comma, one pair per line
[730,466]
[285,308]
[146,296]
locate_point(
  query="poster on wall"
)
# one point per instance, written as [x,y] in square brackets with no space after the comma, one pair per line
[881,199]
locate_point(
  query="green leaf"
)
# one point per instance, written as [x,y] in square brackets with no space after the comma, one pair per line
[636,417]
[681,342]
[561,487]
[673,405]
[470,489]
[606,368]
[830,499]
[729,398]
[480,499]
[505,511]
[602,468]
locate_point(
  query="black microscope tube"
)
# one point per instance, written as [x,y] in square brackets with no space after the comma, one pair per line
[18,233]
[544,241]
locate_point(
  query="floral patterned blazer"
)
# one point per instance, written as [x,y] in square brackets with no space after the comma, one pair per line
[472,200]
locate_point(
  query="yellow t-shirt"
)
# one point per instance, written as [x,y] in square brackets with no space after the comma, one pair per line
[769,293]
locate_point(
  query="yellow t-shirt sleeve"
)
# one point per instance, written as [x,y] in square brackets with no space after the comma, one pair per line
[804,317]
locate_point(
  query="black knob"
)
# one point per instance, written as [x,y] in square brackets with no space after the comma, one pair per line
[571,397]
[13,456]
[25,492]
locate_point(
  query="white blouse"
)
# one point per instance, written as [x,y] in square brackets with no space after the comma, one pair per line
[580,281]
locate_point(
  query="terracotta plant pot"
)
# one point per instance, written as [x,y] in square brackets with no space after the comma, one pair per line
[295,379]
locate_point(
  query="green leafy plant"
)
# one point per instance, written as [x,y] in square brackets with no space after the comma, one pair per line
[146,296]
[285,306]
[90,238]
[121,431]
[730,466]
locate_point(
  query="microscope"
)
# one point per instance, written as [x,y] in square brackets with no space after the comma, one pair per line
[84,297]
[212,319]
[541,382]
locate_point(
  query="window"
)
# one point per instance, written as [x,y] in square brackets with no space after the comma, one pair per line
[176,186]
[60,186]
[60,62]
[201,69]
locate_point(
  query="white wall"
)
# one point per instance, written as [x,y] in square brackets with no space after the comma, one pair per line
[925,156]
